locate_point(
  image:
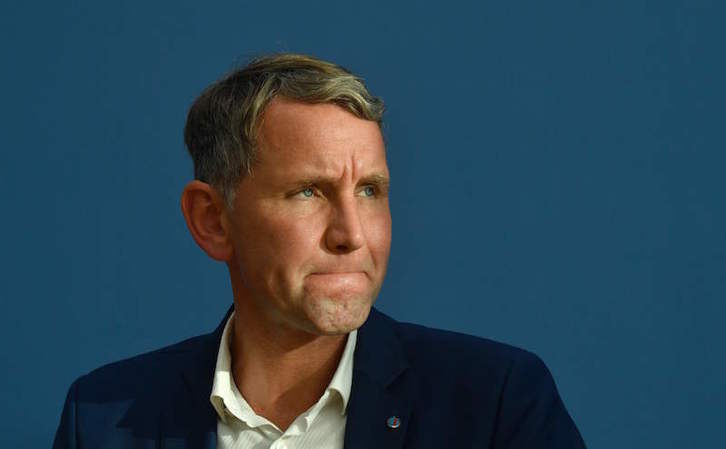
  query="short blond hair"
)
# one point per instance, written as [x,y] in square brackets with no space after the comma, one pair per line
[222,124]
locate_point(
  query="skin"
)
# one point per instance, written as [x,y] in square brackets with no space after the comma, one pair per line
[307,248]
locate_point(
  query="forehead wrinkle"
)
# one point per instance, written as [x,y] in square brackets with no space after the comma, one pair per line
[311,173]
[353,165]
[349,170]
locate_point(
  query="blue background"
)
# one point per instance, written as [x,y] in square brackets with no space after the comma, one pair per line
[558,184]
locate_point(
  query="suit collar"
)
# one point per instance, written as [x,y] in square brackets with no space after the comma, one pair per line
[196,417]
[199,374]
[383,387]
[379,354]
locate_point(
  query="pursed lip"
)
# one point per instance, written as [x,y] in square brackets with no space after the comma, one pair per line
[339,273]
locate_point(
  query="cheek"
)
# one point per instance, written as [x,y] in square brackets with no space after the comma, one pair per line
[379,235]
[285,241]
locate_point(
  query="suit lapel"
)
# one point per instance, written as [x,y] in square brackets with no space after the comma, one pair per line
[192,421]
[382,388]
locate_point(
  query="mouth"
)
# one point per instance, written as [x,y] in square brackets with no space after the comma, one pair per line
[340,279]
[340,274]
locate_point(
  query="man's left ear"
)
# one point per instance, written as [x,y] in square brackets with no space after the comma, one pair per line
[203,210]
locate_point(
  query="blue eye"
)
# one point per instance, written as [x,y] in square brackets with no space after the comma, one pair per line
[369,191]
[308,193]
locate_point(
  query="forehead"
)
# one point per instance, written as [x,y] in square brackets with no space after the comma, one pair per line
[318,139]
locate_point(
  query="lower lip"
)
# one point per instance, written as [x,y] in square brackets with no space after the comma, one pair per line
[355,279]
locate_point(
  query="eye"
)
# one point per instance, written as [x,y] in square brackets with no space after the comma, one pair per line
[308,192]
[369,191]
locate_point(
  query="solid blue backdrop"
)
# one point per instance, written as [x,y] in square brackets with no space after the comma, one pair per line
[557,175]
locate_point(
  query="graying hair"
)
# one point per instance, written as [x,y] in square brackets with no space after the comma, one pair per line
[222,124]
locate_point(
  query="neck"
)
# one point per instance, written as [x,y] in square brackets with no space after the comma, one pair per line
[281,372]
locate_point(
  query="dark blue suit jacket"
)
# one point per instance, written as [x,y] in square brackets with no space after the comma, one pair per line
[448,389]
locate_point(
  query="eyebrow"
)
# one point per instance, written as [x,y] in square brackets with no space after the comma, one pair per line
[377,179]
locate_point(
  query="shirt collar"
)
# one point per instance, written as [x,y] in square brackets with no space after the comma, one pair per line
[226,399]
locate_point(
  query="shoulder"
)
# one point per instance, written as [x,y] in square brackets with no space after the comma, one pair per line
[456,368]
[493,371]
[146,373]
[462,354]
[127,400]
[505,391]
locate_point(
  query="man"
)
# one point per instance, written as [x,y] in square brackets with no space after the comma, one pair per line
[290,191]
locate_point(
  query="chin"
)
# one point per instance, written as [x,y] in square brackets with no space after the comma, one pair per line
[336,316]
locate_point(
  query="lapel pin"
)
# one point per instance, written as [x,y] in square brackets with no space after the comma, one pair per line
[393,422]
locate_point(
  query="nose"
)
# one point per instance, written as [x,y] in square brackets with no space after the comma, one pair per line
[345,231]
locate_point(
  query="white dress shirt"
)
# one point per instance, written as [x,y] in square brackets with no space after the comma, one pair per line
[322,426]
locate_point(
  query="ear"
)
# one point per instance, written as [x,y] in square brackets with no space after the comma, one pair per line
[204,212]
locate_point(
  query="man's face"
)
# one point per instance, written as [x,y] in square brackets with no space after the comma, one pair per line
[311,228]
